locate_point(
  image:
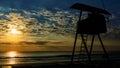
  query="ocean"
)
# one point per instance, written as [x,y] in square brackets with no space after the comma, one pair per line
[12,57]
[9,58]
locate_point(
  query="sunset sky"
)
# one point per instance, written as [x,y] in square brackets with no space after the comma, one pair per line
[50,25]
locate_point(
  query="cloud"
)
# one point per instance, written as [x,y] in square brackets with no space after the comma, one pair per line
[113,17]
[1,14]
[45,22]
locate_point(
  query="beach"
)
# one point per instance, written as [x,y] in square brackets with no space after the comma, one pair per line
[54,60]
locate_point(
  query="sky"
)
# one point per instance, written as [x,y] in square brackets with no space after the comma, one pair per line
[50,25]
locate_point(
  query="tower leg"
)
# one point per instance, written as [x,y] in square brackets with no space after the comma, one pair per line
[72,59]
[91,47]
[105,52]
[75,39]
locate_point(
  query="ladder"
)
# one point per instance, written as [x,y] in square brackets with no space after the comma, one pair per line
[82,53]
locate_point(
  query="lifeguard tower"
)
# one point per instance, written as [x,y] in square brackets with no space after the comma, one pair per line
[93,25]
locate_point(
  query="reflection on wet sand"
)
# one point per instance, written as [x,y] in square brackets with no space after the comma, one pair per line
[6,67]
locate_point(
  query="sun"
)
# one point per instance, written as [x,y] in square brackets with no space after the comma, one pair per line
[15,31]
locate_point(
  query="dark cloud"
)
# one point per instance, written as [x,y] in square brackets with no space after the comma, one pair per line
[31,43]
[35,43]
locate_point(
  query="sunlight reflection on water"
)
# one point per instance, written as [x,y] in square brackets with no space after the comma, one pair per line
[12,54]
[11,60]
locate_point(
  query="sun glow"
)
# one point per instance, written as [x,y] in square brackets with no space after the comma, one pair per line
[13,36]
[15,31]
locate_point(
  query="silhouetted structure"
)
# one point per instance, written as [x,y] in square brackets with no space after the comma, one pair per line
[94,24]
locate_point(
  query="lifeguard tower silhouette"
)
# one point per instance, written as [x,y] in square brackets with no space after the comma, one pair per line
[93,25]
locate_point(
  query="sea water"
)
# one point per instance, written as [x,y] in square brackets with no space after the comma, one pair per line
[7,58]
[11,58]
